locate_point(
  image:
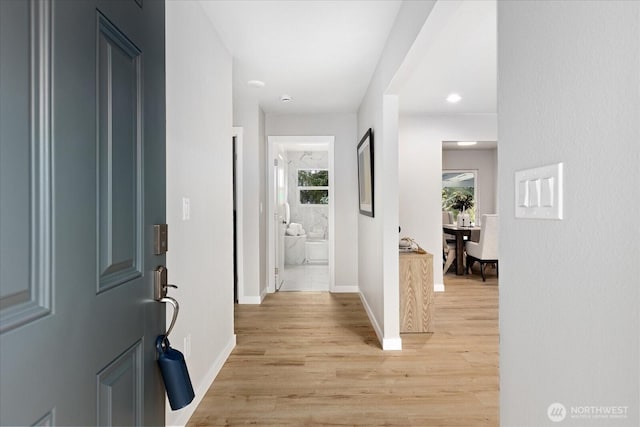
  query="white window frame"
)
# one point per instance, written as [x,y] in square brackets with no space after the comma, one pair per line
[300,188]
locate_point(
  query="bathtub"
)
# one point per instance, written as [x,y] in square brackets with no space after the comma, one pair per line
[294,250]
[316,251]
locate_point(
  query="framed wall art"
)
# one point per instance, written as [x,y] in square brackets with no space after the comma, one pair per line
[365,173]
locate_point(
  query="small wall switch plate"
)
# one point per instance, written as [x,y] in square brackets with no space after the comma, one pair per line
[539,192]
[187,345]
[186,209]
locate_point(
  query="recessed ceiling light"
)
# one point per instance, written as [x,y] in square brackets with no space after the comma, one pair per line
[466,143]
[285,98]
[255,83]
[453,98]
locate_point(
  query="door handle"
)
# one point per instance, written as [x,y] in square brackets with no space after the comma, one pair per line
[176,308]
[161,287]
[160,283]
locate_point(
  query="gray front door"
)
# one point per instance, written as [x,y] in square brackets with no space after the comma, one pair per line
[82,180]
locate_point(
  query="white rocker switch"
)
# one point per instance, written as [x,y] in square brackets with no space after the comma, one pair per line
[539,192]
[534,193]
[546,192]
[523,194]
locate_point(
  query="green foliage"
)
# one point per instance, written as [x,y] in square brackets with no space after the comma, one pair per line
[314,197]
[458,199]
[313,178]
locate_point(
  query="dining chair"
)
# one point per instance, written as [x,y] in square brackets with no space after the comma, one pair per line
[447,218]
[485,251]
[449,253]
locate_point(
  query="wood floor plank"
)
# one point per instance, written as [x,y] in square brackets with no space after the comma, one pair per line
[313,359]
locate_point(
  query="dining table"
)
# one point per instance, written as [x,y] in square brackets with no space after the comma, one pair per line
[460,233]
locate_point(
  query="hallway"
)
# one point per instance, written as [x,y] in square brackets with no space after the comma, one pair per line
[313,359]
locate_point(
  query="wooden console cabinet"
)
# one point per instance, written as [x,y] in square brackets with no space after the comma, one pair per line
[416,292]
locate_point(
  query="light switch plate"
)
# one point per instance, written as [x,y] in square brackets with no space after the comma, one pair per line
[186,209]
[539,192]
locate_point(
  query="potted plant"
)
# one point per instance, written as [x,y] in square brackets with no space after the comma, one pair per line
[461,201]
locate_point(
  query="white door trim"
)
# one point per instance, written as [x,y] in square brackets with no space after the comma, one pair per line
[237,133]
[272,142]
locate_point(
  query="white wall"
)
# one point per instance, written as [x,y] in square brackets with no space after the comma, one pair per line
[378,236]
[569,74]
[199,167]
[343,128]
[248,115]
[420,173]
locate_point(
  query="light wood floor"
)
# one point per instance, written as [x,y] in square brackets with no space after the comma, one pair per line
[312,359]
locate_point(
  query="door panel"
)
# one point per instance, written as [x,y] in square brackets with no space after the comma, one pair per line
[78,317]
[25,163]
[281,190]
[119,147]
[120,390]
[278,224]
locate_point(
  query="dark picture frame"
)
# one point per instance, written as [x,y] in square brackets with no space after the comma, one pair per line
[365,174]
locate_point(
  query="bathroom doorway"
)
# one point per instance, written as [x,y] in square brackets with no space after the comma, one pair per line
[301,204]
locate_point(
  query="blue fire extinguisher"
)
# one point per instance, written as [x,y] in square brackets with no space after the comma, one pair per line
[174,374]
[171,362]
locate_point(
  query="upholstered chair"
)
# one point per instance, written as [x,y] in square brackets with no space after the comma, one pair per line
[484,251]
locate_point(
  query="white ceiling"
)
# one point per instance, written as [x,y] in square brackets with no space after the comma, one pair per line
[459,57]
[323,53]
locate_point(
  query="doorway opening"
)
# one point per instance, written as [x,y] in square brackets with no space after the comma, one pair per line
[301,205]
[469,174]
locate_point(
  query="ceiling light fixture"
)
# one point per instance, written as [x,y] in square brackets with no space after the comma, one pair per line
[453,98]
[255,83]
[285,98]
[466,143]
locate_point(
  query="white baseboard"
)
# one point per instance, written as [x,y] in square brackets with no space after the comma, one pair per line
[253,299]
[250,300]
[386,343]
[346,289]
[438,287]
[181,417]
[372,318]
[392,343]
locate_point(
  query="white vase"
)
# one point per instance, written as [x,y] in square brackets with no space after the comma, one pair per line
[464,219]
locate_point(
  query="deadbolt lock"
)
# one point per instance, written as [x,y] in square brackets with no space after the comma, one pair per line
[160,239]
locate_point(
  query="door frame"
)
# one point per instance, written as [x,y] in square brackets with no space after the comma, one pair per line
[272,152]
[237,132]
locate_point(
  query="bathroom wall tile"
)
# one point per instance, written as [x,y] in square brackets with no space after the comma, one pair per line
[312,218]
[294,250]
